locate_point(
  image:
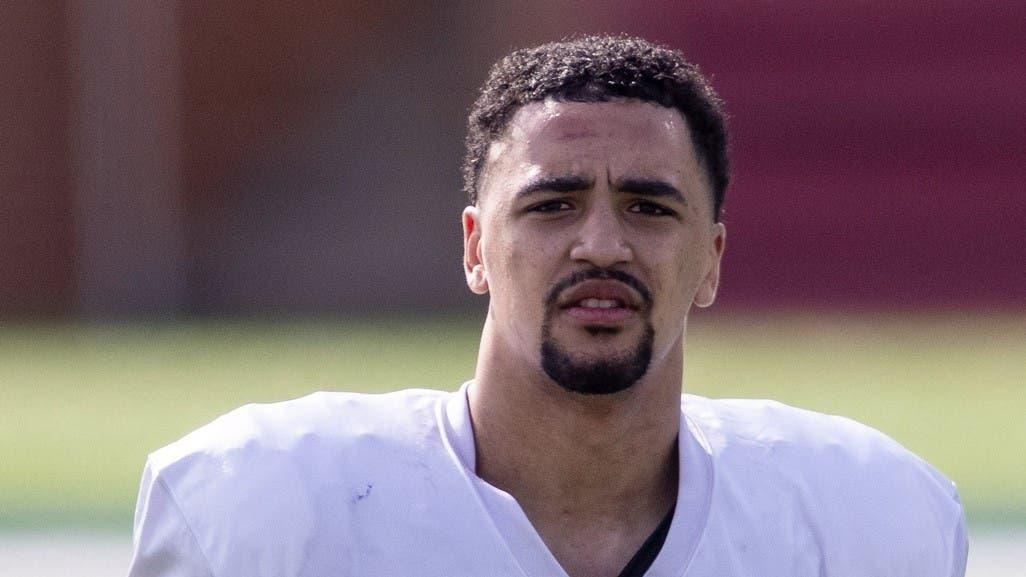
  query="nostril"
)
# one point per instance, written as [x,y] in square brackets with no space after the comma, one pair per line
[604,251]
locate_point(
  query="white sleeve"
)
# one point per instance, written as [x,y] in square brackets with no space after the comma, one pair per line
[960,548]
[163,543]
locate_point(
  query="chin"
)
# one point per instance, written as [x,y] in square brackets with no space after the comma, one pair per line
[603,369]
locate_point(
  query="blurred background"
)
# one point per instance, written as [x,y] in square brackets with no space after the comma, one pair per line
[204,204]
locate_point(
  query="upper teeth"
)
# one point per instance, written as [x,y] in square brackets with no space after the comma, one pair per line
[599,303]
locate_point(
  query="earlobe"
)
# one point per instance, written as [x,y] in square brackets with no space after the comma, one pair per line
[477,280]
[473,264]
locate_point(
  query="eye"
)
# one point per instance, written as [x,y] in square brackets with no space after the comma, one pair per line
[651,209]
[550,206]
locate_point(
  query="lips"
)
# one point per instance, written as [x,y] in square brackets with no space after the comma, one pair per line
[600,294]
[600,302]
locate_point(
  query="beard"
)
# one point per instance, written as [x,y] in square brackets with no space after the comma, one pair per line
[603,376]
[596,377]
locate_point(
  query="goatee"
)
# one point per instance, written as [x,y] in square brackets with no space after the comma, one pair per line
[603,376]
[596,377]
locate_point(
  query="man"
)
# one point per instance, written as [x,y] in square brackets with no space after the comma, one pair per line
[596,169]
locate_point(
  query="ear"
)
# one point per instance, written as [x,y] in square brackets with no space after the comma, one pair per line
[707,290]
[473,265]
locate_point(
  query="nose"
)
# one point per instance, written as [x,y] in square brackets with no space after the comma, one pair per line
[600,238]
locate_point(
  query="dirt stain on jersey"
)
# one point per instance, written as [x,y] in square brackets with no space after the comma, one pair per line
[361,495]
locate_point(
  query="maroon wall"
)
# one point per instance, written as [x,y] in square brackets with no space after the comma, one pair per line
[260,158]
[880,147]
[36,275]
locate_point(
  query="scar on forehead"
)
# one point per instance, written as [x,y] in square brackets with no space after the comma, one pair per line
[572,132]
[568,127]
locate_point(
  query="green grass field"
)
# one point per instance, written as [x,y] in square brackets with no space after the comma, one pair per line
[82,406]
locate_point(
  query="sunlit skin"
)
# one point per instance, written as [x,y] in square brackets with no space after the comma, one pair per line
[571,187]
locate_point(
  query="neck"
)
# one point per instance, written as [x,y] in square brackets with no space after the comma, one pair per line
[568,458]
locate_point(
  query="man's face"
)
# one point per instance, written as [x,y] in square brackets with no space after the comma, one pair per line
[594,235]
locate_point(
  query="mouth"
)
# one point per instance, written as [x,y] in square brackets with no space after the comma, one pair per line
[600,315]
[601,302]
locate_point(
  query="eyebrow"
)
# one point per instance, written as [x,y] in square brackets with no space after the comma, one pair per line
[640,186]
[650,187]
[555,184]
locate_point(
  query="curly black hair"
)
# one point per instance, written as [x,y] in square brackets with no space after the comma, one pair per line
[597,69]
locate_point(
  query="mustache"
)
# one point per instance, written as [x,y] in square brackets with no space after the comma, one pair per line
[598,274]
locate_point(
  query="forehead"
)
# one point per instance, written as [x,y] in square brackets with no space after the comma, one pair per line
[573,121]
[595,140]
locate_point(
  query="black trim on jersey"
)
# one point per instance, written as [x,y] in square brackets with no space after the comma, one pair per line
[643,559]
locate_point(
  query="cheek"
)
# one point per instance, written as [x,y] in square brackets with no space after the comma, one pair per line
[532,265]
[528,250]
[517,266]
[676,277]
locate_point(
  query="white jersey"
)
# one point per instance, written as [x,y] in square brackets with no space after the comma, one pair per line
[340,484]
